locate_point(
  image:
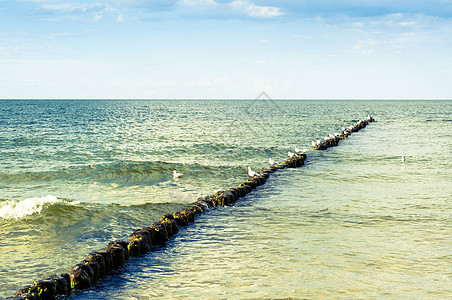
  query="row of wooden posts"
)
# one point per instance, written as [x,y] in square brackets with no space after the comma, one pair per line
[97,264]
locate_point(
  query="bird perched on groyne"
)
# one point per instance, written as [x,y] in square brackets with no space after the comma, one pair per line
[272,162]
[251,173]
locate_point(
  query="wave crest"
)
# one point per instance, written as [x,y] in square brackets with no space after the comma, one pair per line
[13,209]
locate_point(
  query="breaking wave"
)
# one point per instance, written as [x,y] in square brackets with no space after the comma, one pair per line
[13,209]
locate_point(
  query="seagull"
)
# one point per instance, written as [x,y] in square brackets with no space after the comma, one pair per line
[403,158]
[297,150]
[291,154]
[251,173]
[176,175]
[313,143]
[271,161]
[318,142]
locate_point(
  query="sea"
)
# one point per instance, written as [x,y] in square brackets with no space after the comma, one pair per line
[355,222]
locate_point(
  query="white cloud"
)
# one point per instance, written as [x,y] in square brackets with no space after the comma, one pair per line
[120,18]
[407,23]
[364,47]
[253,10]
[97,18]
[234,8]
[97,10]
[88,11]
[71,7]
[197,3]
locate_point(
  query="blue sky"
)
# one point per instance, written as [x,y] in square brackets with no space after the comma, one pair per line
[322,49]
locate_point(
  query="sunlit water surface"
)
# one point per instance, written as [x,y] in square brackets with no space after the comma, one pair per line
[354,222]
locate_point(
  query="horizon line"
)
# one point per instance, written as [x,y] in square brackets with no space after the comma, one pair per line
[234,99]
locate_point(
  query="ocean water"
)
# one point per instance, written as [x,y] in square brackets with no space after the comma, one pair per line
[354,222]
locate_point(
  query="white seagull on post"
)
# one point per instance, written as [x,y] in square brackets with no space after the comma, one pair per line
[251,173]
[272,162]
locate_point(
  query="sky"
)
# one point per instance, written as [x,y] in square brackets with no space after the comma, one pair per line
[215,49]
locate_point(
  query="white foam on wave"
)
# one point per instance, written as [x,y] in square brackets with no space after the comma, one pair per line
[18,209]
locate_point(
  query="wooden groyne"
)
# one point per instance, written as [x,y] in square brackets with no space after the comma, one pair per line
[98,264]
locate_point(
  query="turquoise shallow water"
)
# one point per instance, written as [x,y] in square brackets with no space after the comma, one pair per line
[354,222]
